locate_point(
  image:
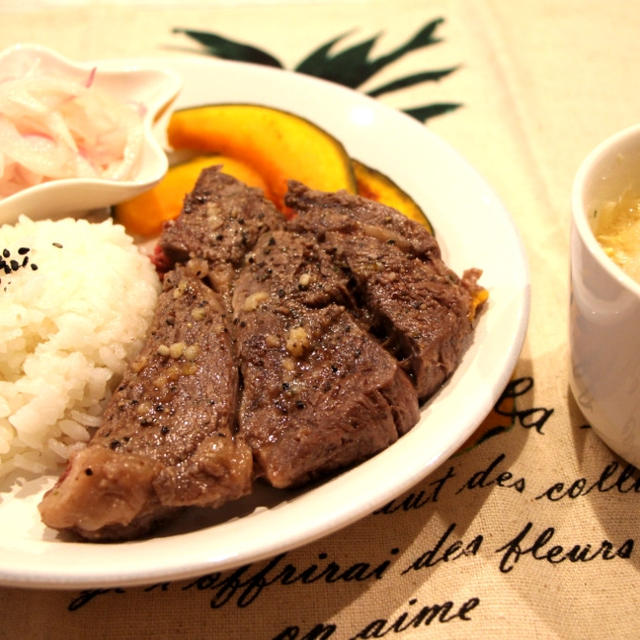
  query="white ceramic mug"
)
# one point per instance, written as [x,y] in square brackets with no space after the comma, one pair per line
[604,317]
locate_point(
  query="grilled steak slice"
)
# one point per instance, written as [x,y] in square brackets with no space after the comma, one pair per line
[414,303]
[167,439]
[360,215]
[319,393]
[221,220]
[292,268]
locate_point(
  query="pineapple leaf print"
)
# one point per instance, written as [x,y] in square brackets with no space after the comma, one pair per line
[408,81]
[229,50]
[351,67]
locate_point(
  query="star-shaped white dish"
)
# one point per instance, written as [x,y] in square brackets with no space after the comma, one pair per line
[153,89]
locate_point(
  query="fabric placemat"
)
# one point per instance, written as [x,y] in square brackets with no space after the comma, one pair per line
[530,533]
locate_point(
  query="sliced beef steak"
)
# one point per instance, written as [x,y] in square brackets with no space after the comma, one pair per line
[221,220]
[418,307]
[362,216]
[319,393]
[167,439]
[291,268]
[308,353]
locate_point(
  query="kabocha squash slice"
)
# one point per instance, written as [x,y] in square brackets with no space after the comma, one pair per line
[376,186]
[262,147]
[278,144]
[145,214]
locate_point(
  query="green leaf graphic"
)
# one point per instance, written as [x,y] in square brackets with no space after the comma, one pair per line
[431,110]
[230,50]
[423,38]
[409,81]
[350,67]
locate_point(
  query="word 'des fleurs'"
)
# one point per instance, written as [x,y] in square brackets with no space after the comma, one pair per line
[542,548]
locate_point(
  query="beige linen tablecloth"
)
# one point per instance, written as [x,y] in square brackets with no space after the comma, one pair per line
[534,532]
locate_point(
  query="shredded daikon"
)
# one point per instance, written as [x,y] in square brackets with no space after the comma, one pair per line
[53,127]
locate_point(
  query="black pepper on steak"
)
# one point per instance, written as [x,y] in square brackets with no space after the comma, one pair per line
[412,301]
[162,445]
[319,392]
[221,221]
[338,322]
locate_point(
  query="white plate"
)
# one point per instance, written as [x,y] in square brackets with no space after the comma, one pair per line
[474,230]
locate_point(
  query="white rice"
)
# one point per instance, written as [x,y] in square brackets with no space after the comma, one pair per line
[67,330]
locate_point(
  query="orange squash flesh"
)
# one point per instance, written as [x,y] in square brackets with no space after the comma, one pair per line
[263,147]
[145,214]
[376,186]
[278,144]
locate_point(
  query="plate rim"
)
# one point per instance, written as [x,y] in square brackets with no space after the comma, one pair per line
[87,579]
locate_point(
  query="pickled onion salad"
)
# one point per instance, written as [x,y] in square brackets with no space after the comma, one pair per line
[54,127]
